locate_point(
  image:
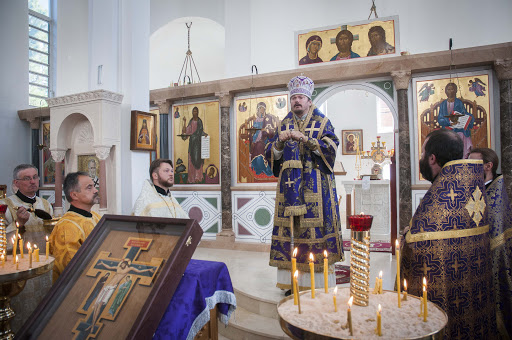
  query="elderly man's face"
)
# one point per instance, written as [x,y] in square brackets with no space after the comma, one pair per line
[88,194]
[27,182]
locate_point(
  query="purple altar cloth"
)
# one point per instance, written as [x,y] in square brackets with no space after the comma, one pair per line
[204,285]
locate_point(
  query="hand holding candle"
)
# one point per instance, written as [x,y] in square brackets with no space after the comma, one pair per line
[349,315]
[294,268]
[398,290]
[312,272]
[326,265]
[334,298]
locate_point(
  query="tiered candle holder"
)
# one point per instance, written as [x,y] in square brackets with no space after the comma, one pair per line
[360,258]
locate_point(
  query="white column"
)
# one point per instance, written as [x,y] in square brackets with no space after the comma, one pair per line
[58,156]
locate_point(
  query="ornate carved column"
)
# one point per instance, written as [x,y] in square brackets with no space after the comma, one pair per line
[163,107]
[102,152]
[401,81]
[503,68]
[226,235]
[58,156]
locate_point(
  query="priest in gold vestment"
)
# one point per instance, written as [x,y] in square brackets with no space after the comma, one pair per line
[77,223]
[21,205]
[448,241]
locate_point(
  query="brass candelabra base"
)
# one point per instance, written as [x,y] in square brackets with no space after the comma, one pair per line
[7,291]
[360,267]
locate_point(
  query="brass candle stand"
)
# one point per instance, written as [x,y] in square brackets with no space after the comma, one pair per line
[360,258]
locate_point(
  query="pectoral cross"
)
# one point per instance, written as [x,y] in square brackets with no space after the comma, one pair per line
[124,271]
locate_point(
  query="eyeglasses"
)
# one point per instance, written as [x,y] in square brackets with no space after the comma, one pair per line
[25,179]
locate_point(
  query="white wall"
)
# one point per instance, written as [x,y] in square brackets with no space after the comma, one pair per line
[72,47]
[16,136]
[168,47]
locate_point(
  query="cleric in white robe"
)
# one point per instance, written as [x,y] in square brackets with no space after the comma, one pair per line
[155,198]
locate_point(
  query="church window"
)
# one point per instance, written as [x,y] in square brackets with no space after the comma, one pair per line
[39,52]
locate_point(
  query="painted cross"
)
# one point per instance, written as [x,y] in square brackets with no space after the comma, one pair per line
[115,280]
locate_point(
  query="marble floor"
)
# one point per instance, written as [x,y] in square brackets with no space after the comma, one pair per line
[251,274]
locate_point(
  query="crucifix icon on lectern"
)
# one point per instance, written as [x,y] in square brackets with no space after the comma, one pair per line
[115,280]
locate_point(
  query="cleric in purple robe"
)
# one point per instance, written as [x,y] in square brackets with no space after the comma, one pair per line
[302,155]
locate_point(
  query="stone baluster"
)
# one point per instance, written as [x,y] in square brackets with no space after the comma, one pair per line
[226,236]
[401,81]
[503,68]
[58,156]
[102,152]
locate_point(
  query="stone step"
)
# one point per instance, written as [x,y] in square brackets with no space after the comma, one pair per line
[256,305]
[245,325]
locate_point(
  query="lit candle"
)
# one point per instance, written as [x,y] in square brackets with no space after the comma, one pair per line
[398,290]
[36,252]
[349,315]
[47,247]
[405,290]
[17,262]
[29,255]
[312,273]
[21,247]
[380,282]
[326,265]
[296,284]
[379,321]
[294,268]
[14,245]
[425,310]
[376,288]
[334,298]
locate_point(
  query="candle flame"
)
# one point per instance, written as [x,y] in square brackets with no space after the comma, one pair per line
[325,253]
[12,240]
[17,225]
[296,274]
[35,246]
[20,238]
[46,238]
[397,243]
[295,252]
[350,301]
[380,274]
[380,308]
[362,213]
[311,257]
[336,290]
[424,281]
[405,284]
[28,245]
[16,258]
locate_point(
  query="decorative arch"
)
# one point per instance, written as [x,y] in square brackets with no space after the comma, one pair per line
[79,123]
[369,87]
